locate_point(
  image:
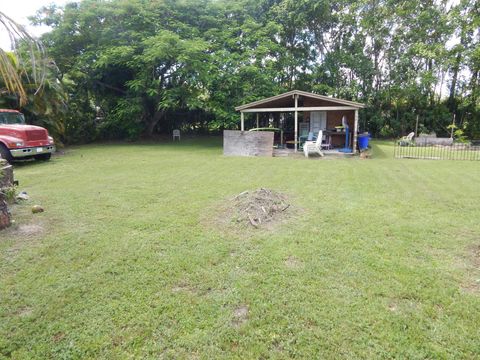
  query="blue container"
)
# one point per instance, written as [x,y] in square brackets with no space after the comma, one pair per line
[363,141]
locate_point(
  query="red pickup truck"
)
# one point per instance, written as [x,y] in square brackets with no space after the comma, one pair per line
[21,141]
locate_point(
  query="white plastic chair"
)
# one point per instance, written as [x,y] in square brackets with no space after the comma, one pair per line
[314,146]
[406,140]
[176,134]
[410,136]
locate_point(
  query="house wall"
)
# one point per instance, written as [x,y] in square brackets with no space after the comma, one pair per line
[334,118]
[247,143]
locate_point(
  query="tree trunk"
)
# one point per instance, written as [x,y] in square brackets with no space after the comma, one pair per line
[154,120]
[6,180]
[453,85]
[430,90]
[456,69]
[4,213]
[6,175]
[474,85]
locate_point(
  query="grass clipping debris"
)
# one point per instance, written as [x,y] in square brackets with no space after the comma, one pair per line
[258,208]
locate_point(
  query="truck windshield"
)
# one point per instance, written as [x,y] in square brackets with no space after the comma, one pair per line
[11,118]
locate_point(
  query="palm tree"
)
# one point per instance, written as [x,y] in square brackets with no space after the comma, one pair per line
[10,63]
[12,69]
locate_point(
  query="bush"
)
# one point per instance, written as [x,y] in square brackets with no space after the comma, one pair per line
[124,121]
[80,126]
[387,132]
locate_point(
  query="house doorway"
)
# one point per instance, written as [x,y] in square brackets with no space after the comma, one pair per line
[318,121]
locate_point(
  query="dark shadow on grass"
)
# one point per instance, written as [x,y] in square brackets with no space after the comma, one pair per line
[203,141]
[34,162]
[28,162]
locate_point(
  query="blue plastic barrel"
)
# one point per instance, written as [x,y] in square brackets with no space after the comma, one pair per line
[363,141]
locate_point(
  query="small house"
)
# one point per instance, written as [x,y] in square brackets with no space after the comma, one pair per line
[299,115]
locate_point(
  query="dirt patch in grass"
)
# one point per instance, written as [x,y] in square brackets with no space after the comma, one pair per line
[184,288]
[30,229]
[475,253]
[58,337]
[402,305]
[393,306]
[240,315]
[472,285]
[254,209]
[25,231]
[293,263]
[24,224]
[24,311]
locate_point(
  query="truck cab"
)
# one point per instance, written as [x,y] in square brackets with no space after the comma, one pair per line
[21,141]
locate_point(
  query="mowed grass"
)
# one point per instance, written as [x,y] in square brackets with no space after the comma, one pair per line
[382,260]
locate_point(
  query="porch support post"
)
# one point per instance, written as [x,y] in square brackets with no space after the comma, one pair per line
[296,122]
[355,131]
[257,121]
[242,122]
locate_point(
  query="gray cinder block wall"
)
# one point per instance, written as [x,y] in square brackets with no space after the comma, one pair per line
[247,143]
[432,140]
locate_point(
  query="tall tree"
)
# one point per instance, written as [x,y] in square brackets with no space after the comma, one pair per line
[147,66]
[11,65]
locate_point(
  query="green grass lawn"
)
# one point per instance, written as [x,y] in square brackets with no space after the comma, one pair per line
[382,260]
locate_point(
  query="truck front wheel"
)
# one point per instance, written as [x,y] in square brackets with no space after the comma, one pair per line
[43,157]
[5,153]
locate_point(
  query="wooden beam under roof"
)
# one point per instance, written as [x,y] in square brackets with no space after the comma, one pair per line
[300,93]
[299,109]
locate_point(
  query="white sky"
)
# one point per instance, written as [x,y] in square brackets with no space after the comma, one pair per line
[20,10]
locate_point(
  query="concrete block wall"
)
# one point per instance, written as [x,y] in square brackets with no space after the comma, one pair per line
[247,143]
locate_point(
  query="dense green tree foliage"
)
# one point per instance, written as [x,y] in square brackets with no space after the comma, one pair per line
[44,105]
[134,67]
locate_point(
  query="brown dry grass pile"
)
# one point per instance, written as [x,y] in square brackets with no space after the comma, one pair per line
[257,208]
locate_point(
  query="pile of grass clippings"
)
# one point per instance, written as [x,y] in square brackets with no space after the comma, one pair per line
[257,208]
